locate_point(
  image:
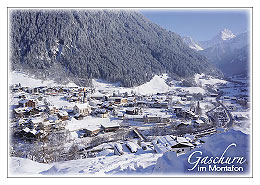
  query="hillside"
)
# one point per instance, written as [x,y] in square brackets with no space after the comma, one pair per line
[117,46]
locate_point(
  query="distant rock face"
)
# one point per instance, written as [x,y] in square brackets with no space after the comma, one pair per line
[226,34]
[192,43]
[231,56]
[223,35]
[227,51]
[114,45]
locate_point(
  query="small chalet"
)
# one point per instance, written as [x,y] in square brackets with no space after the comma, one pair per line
[119,100]
[78,116]
[152,119]
[27,103]
[63,115]
[120,115]
[165,118]
[172,143]
[182,125]
[132,111]
[34,122]
[51,109]
[92,130]
[159,105]
[177,110]
[137,118]
[27,133]
[131,99]
[110,127]
[102,113]
[19,112]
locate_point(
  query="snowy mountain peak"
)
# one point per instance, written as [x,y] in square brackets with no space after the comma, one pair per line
[227,34]
[192,43]
[223,36]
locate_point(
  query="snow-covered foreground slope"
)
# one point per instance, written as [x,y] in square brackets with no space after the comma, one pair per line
[131,164]
[215,146]
[27,81]
[142,163]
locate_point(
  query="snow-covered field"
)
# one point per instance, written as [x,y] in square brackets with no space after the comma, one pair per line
[203,80]
[89,122]
[28,81]
[156,85]
[190,90]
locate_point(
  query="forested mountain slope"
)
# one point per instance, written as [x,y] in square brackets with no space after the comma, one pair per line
[114,45]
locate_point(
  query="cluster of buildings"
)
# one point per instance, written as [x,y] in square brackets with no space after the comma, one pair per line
[34,116]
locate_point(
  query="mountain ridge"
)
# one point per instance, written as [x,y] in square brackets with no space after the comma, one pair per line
[117,46]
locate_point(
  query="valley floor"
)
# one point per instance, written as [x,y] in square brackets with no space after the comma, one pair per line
[191,114]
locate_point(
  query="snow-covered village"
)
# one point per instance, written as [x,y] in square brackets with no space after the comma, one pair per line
[139,92]
[109,130]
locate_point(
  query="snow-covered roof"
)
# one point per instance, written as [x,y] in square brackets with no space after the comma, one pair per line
[100,111]
[166,116]
[82,105]
[188,136]
[182,140]
[134,116]
[51,107]
[53,118]
[19,110]
[120,114]
[177,107]
[47,123]
[97,95]
[110,124]
[92,127]
[36,120]
[86,122]
[26,129]
[159,148]
[63,113]
[33,131]
[132,146]
[130,109]
[199,121]
[152,116]
[23,101]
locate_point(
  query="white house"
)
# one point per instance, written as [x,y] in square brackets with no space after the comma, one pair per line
[83,109]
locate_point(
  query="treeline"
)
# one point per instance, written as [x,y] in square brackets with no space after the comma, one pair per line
[117,46]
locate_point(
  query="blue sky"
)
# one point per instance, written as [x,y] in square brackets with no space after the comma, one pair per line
[200,24]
